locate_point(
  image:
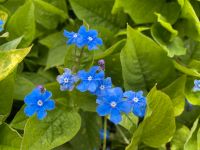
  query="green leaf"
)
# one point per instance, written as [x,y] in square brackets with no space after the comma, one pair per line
[129,122]
[10,59]
[6,97]
[198,139]
[49,15]
[85,101]
[19,120]
[180,137]
[186,69]
[57,49]
[16,27]
[164,34]
[11,44]
[98,12]
[54,87]
[158,125]
[89,133]
[10,139]
[144,63]
[143,11]
[22,87]
[191,142]
[189,23]
[60,126]
[176,91]
[114,72]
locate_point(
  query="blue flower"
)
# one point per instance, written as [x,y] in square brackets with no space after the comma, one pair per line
[38,101]
[90,38]
[138,102]
[74,38]
[67,80]
[103,86]
[1,25]
[101,133]
[196,85]
[113,104]
[90,80]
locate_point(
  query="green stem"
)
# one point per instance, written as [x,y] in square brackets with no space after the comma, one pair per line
[105,132]
[77,61]
[123,135]
[129,119]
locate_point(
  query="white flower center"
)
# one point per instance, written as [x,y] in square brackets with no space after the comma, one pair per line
[90,38]
[89,78]
[75,35]
[66,80]
[39,102]
[135,99]
[113,104]
[102,87]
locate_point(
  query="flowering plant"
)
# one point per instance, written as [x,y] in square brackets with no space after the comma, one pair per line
[99,75]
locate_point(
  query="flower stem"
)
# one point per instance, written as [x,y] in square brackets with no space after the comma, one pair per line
[130,119]
[123,135]
[105,131]
[77,60]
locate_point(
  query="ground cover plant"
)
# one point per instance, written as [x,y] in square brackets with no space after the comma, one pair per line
[99,74]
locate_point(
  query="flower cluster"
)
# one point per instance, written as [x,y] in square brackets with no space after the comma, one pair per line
[1,25]
[83,38]
[38,101]
[111,101]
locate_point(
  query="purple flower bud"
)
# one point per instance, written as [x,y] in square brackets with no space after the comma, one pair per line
[101,63]
[41,87]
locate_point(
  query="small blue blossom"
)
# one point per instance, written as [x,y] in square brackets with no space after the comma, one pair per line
[1,25]
[38,101]
[90,38]
[103,86]
[196,87]
[101,133]
[67,80]
[113,104]
[90,80]
[138,102]
[74,38]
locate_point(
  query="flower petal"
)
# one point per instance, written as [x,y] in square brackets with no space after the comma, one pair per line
[82,74]
[41,114]
[93,33]
[100,75]
[30,110]
[83,86]
[103,109]
[82,30]
[32,97]
[92,86]
[46,95]
[93,70]
[129,94]
[124,106]
[108,82]
[99,41]
[139,110]
[115,116]
[49,105]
